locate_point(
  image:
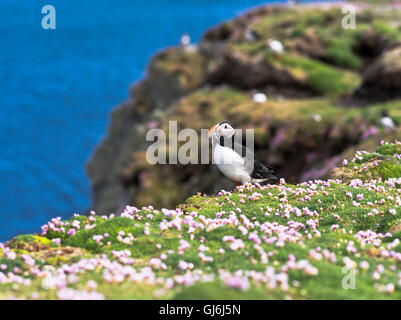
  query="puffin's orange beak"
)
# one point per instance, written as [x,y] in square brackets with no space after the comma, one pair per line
[211,130]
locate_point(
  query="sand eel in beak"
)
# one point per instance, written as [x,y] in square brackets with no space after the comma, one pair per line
[233,159]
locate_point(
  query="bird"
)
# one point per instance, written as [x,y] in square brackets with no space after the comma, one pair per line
[185,43]
[234,160]
[316,117]
[185,39]
[275,46]
[387,122]
[259,97]
[251,35]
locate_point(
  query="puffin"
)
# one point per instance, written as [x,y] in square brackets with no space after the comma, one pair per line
[275,46]
[259,97]
[251,35]
[234,160]
[185,39]
[387,122]
[185,43]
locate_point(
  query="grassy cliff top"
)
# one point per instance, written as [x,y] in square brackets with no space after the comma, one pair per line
[256,242]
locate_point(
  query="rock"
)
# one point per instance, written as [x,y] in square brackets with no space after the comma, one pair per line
[30,243]
[166,81]
[310,44]
[396,227]
[382,80]
[380,164]
[242,72]
[371,44]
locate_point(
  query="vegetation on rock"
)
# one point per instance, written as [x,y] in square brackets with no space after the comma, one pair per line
[318,239]
[325,95]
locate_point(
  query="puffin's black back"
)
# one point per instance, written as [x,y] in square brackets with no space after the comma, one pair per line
[261,171]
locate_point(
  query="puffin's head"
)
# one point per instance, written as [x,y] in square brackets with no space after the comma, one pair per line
[222,129]
[384,113]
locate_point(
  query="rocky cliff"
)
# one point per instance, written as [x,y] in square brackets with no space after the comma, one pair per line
[325,95]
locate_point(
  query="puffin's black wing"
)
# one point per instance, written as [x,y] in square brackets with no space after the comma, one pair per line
[261,171]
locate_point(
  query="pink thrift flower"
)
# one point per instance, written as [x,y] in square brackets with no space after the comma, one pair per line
[57,241]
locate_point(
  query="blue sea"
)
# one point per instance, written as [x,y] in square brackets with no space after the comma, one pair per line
[57,88]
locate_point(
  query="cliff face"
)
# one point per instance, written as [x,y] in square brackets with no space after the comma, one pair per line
[150,101]
[325,94]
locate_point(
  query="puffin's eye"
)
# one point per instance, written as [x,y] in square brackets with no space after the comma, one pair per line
[225,127]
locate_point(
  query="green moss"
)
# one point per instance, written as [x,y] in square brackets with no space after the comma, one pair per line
[30,242]
[389,149]
[187,67]
[247,48]
[389,32]
[57,261]
[340,54]
[330,204]
[323,78]
[12,264]
[383,164]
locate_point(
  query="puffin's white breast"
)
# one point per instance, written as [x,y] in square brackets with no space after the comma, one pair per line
[276,46]
[231,164]
[387,122]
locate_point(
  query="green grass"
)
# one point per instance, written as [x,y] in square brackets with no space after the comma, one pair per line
[323,78]
[382,164]
[261,269]
[340,53]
